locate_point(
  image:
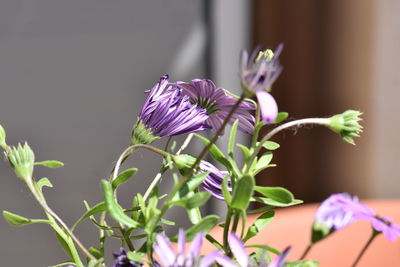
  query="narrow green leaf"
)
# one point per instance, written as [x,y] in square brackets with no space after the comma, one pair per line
[214,242]
[123,177]
[263,162]
[232,138]
[281,117]
[50,163]
[205,225]
[96,252]
[15,219]
[135,256]
[99,207]
[194,215]
[303,263]
[269,145]
[193,200]
[114,209]
[63,244]
[278,194]
[273,203]
[225,191]
[259,224]
[242,192]
[191,185]
[44,182]
[167,222]
[63,264]
[215,152]
[245,150]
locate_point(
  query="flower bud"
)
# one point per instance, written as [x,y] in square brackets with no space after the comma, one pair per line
[2,137]
[346,124]
[22,159]
[183,162]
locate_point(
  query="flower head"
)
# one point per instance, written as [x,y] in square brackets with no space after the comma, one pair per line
[169,258]
[167,112]
[347,125]
[212,183]
[218,103]
[257,74]
[122,260]
[22,159]
[243,258]
[335,213]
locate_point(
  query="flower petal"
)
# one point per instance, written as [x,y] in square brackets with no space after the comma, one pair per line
[268,106]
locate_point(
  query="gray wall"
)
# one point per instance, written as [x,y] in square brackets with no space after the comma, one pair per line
[72,76]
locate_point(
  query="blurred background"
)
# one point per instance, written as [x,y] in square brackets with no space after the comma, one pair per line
[72,76]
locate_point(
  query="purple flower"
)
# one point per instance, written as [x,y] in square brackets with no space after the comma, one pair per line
[257,74]
[243,258]
[386,226]
[167,112]
[213,181]
[122,260]
[170,258]
[218,103]
[337,211]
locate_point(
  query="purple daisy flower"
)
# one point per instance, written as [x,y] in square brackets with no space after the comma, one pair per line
[243,258]
[213,181]
[257,74]
[218,104]
[386,226]
[167,112]
[337,211]
[122,260]
[170,258]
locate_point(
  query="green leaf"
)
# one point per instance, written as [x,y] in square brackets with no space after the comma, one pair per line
[15,219]
[263,162]
[205,225]
[64,244]
[194,215]
[274,203]
[245,150]
[215,152]
[278,194]
[96,252]
[191,185]
[114,209]
[269,145]
[168,222]
[225,191]
[99,207]
[260,223]
[63,264]
[123,177]
[232,138]
[303,263]
[44,182]
[281,117]
[242,192]
[193,200]
[50,163]
[135,256]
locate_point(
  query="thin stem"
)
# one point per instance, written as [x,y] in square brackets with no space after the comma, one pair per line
[235,222]
[268,136]
[127,239]
[374,234]
[226,230]
[306,251]
[48,210]
[215,137]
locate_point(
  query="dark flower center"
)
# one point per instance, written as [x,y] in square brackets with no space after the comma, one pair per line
[210,105]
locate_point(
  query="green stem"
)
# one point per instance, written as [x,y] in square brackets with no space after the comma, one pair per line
[235,222]
[374,234]
[226,230]
[296,123]
[306,251]
[53,217]
[127,239]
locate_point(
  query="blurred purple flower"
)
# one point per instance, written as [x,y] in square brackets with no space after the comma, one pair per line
[169,258]
[243,258]
[257,74]
[122,260]
[337,211]
[386,226]
[213,181]
[167,112]
[218,103]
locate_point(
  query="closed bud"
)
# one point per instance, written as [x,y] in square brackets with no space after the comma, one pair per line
[22,159]
[183,162]
[347,125]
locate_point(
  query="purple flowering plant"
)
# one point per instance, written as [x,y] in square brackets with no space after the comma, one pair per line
[191,108]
